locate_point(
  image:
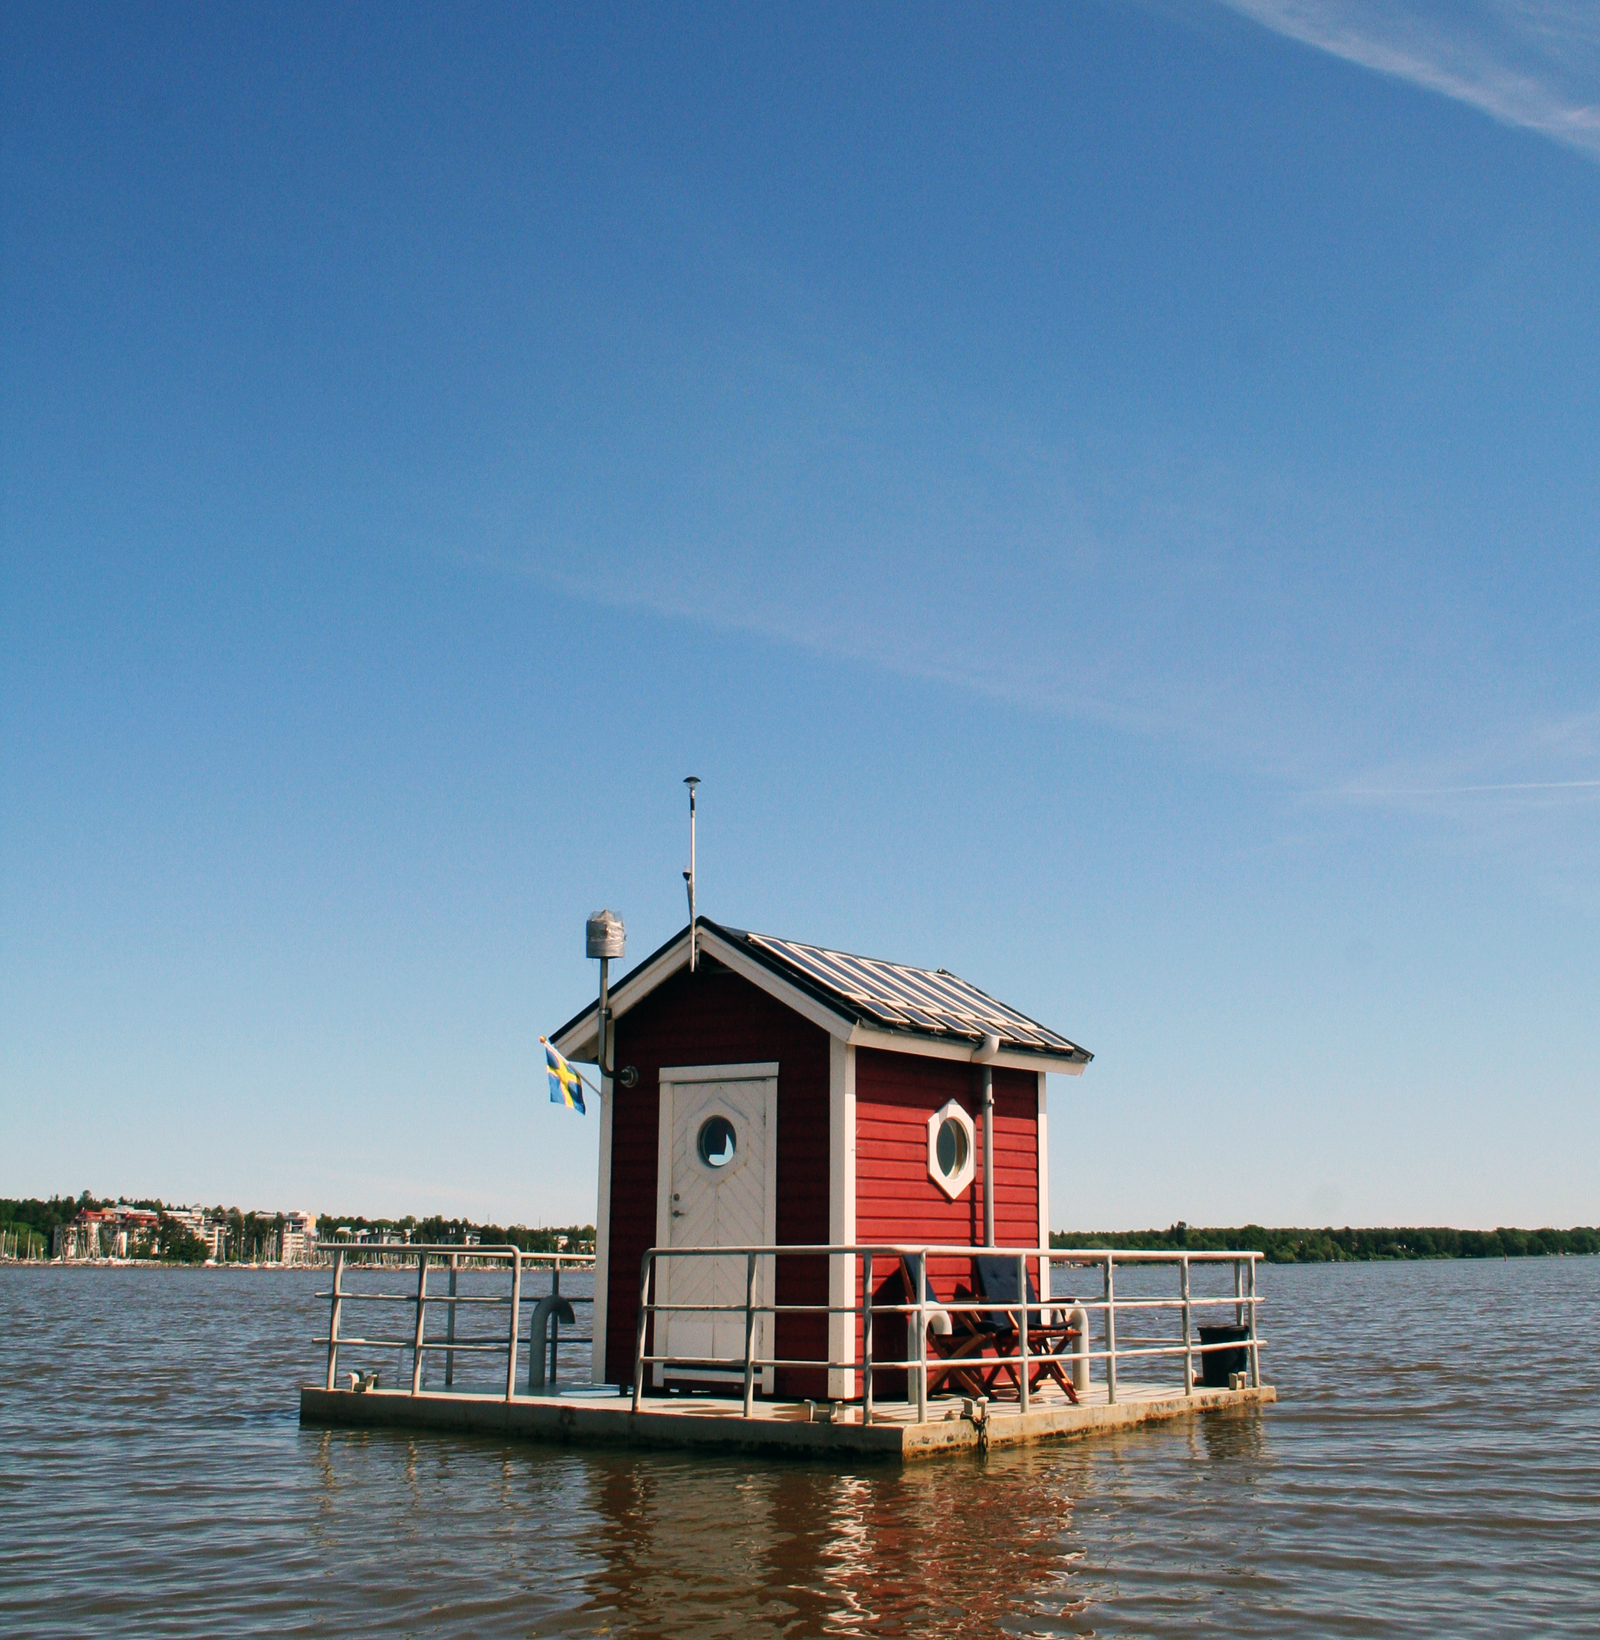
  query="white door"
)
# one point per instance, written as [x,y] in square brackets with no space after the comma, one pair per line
[717,1188]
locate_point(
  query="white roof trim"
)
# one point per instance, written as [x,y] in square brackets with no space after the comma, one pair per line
[582,1040]
[935,1047]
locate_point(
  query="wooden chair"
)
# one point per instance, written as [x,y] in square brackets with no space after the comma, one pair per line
[968,1347]
[957,1340]
[995,1277]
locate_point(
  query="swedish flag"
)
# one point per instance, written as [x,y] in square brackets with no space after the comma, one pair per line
[566,1086]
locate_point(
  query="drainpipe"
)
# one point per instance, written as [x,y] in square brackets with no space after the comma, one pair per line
[983,1056]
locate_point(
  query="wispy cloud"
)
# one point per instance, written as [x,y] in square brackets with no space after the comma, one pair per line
[1529,794]
[1462,791]
[1533,767]
[1529,63]
[1315,629]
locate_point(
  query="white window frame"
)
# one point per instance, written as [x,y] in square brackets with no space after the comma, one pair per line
[957,1182]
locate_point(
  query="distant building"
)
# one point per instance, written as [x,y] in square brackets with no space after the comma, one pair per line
[346,1236]
[299,1237]
[87,1236]
[136,1229]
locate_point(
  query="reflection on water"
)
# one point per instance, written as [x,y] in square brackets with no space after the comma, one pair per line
[692,1549]
[1431,1470]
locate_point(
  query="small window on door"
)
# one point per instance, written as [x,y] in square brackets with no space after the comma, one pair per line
[718,1142]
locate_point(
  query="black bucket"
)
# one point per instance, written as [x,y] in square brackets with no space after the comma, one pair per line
[1217,1364]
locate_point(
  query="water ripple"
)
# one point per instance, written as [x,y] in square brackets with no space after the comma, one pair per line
[1433,1468]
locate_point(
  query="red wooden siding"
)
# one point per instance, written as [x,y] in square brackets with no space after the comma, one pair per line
[897,1200]
[715,1018]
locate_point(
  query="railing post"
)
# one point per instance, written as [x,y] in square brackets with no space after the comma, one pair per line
[1188,1345]
[1111,1335]
[921,1356]
[555,1319]
[333,1318]
[1022,1324]
[749,1333]
[645,1266]
[450,1325]
[1238,1294]
[422,1322]
[1255,1348]
[866,1338]
[1078,1319]
[516,1322]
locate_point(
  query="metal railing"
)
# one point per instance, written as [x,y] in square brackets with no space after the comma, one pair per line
[923,1310]
[549,1309]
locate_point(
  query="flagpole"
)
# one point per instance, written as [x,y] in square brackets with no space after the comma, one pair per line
[691,781]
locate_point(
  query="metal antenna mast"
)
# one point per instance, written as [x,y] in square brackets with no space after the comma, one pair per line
[691,781]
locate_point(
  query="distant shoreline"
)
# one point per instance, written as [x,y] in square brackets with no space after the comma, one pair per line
[147,1264]
[1381,1244]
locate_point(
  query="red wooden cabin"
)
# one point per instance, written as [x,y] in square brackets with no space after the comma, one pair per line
[780,1093]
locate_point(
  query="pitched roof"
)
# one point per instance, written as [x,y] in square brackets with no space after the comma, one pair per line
[924,1005]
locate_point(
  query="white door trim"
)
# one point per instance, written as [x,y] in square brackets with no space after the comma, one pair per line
[841,1212]
[673,1077]
[755,1071]
[1044,1189]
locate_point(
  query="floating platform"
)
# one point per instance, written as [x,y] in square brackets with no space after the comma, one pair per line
[588,1417]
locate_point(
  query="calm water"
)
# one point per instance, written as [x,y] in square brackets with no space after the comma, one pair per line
[1433,1469]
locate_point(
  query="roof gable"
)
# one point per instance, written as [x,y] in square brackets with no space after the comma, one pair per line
[860,1000]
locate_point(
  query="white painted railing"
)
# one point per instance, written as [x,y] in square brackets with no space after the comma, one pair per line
[1070,1319]
[923,1310]
[543,1331]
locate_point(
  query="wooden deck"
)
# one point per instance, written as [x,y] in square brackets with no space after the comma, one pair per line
[601,1418]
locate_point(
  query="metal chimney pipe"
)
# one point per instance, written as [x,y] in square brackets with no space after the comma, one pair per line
[600,1042]
[605,938]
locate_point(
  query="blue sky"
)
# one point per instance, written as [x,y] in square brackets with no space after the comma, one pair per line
[1105,497]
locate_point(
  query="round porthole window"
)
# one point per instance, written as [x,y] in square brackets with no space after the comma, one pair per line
[717,1141]
[950,1148]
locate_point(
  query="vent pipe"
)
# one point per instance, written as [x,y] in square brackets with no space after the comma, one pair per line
[691,781]
[983,1057]
[605,938]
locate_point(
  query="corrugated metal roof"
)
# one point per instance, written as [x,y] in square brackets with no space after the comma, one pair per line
[899,997]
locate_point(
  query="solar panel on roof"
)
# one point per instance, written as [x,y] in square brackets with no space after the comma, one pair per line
[894,994]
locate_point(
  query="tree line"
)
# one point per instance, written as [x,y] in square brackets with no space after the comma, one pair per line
[574,1238]
[1330,1246]
[36,1218]
[33,1220]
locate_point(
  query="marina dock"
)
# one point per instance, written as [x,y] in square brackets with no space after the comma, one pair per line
[583,1417]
